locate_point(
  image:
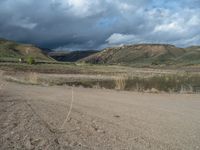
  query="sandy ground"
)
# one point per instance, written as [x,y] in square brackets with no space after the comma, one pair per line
[32,117]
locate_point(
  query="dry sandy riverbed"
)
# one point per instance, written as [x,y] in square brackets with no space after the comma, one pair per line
[31,117]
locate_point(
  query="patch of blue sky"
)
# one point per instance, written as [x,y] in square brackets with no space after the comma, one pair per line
[106,22]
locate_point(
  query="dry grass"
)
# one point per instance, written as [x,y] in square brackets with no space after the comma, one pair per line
[33,78]
[30,78]
[120,81]
[171,83]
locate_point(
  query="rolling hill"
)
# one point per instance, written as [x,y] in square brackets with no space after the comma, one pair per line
[71,56]
[192,55]
[154,54]
[140,54]
[13,50]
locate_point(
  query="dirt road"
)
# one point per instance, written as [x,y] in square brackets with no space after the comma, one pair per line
[31,117]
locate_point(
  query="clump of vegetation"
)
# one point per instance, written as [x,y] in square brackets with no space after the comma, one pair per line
[166,83]
[112,77]
[31,60]
[120,82]
[33,78]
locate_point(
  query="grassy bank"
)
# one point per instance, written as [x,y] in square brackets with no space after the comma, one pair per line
[155,83]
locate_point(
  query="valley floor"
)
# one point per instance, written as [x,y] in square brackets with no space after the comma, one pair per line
[33,116]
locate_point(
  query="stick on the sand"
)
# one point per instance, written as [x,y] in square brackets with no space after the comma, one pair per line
[70,109]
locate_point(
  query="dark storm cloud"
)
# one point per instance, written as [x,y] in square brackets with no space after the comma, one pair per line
[89,24]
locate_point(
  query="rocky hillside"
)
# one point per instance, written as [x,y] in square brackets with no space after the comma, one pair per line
[145,54]
[10,49]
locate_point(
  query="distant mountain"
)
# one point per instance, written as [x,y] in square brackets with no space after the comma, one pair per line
[71,56]
[153,54]
[10,49]
[142,54]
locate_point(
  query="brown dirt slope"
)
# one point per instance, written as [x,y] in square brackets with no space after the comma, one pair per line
[141,53]
[10,49]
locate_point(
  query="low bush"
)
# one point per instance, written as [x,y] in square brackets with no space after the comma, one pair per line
[31,60]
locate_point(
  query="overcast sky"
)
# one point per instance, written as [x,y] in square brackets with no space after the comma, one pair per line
[95,24]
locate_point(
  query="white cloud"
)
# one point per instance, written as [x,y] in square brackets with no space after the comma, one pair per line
[125,7]
[171,27]
[80,8]
[25,23]
[117,39]
[194,21]
[52,23]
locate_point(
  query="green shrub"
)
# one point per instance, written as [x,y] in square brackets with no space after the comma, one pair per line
[31,60]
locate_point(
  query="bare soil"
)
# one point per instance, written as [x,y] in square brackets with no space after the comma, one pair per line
[32,116]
